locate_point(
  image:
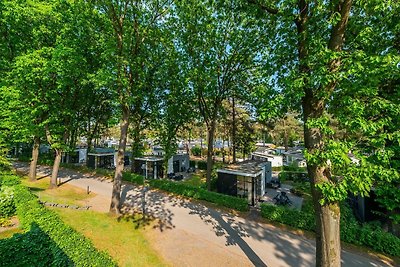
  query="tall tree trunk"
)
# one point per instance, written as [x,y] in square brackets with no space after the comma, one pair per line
[35,156]
[210,148]
[327,216]
[56,167]
[115,206]
[233,130]
[135,147]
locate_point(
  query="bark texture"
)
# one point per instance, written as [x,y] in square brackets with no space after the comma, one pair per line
[35,156]
[56,167]
[115,206]
[210,149]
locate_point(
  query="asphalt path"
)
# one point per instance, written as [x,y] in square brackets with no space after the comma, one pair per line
[192,234]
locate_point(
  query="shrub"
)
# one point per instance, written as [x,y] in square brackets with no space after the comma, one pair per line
[9,180]
[351,231]
[33,248]
[5,222]
[133,178]
[7,206]
[196,151]
[292,217]
[202,194]
[202,165]
[64,239]
[192,163]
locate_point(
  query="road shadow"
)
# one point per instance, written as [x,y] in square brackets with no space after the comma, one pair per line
[153,207]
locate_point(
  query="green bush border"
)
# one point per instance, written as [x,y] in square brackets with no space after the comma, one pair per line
[350,230]
[178,188]
[232,202]
[78,249]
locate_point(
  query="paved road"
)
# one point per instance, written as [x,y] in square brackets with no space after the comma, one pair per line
[191,234]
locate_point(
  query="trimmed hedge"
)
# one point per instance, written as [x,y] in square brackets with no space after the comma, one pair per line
[239,204]
[202,165]
[7,206]
[33,248]
[291,217]
[133,178]
[350,230]
[65,241]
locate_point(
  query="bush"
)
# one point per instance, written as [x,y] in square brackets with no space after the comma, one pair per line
[196,151]
[192,163]
[5,222]
[202,165]
[33,248]
[292,217]
[7,206]
[64,239]
[133,178]
[351,231]
[202,194]
[9,180]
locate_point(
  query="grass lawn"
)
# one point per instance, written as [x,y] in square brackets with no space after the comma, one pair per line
[197,179]
[65,194]
[10,233]
[124,240]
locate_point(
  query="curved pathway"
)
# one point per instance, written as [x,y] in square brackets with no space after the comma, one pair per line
[192,234]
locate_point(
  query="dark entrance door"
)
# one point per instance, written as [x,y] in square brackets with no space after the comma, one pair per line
[176,166]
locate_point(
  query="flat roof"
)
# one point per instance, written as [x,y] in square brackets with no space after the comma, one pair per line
[251,168]
[149,158]
[100,154]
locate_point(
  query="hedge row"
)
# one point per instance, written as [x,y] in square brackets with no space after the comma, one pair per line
[350,230]
[239,204]
[66,246]
[291,217]
[7,205]
[133,178]
[202,165]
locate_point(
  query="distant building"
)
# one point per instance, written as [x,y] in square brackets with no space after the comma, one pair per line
[245,180]
[294,157]
[150,167]
[276,160]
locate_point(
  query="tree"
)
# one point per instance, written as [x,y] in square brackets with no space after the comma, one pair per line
[133,28]
[319,68]
[219,55]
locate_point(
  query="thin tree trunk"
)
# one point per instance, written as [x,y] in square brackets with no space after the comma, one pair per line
[135,148]
[210,147]
[35,156]
[56,167]
[115,206]
[233,131]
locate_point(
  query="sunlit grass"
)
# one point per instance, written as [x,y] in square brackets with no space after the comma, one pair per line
[124,240]
[9,233]
[64,194]
[196,180]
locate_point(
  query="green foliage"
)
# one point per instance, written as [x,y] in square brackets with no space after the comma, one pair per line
[33,248]
[9,180]
[202,165]
[5,222]
[351,231]
[196,151]
[292,217]
[192,163]
[202,194]
[65,242]
[7,206]
[133,178]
